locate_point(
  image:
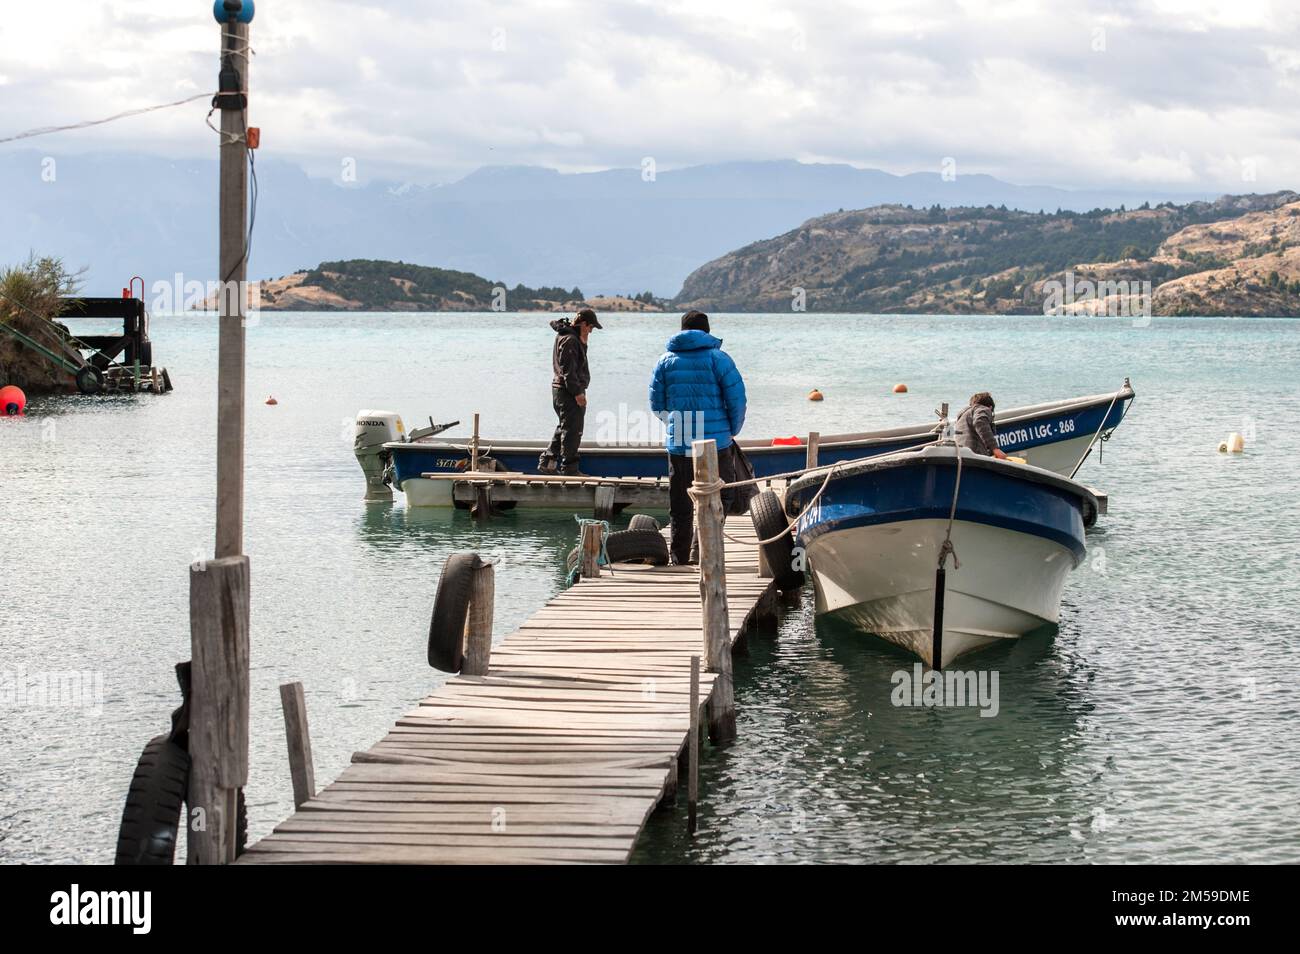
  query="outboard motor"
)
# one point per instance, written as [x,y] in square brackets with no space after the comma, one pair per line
[373,430]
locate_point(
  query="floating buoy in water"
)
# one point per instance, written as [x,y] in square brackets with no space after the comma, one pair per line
[12,400]
[1235,444]
[272,400]
[815,395]
[900,388]
[787,441]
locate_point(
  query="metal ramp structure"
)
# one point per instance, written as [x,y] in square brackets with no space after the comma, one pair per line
[99,363]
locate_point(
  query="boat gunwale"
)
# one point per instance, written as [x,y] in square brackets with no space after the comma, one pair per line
[935,455]
[928,454]
[828,442]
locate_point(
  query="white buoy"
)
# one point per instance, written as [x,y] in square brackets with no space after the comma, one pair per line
[1235,444]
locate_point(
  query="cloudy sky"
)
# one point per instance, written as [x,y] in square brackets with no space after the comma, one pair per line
[1181,94]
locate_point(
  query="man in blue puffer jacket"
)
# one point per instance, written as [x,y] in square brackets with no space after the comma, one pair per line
[697,391]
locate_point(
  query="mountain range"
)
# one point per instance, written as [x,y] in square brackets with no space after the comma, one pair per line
[616,231]
[1236,255]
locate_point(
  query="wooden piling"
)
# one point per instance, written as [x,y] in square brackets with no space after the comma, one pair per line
[302,772]
[482,508]
[814,447]
[591,543]
[473,447]
[218,734]
[709,519]
[604,502]
[693,747]
[478,624]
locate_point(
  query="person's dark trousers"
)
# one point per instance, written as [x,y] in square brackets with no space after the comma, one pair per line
[568,432]
[681,509]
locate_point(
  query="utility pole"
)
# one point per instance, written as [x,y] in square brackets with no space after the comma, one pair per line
[232,101]
[219,588]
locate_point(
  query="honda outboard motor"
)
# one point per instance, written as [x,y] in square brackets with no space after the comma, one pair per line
[373,430]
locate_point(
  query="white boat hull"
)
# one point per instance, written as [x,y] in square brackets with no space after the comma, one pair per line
[422,492]
[881,579]
[1060,457]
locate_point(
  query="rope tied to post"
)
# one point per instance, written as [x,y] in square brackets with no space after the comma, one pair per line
[602,559]
[698,490]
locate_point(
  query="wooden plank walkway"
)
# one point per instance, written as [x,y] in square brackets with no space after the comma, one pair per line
[559,754]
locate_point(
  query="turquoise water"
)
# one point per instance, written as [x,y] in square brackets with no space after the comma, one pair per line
[1158,725]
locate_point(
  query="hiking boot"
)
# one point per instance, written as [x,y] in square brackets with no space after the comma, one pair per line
[573,472]
[546,465]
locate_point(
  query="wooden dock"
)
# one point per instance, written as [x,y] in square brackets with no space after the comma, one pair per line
[603,497]
[559,754]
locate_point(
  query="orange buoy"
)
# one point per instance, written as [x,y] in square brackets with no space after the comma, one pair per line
[12,400]
[786,441]
[815,395]
[272,400]
[900,388]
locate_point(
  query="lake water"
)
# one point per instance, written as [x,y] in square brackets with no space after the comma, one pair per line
[1160,724]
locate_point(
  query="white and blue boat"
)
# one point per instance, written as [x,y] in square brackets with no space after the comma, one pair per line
[873,538]
[1055,436]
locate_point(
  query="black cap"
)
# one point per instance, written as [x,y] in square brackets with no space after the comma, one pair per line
[588,316]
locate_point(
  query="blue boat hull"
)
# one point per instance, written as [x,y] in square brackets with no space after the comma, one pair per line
[1054,438]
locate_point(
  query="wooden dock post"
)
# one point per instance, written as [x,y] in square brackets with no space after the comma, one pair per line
[473,447]
[713,592]
[693,747]
[604,503]
[478,624]
[218,706]
[814,447]
[589,559]
[301,769]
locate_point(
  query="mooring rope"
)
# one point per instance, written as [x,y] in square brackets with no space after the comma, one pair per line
[946,548]
[1093,442]
[602,559]
[697,490]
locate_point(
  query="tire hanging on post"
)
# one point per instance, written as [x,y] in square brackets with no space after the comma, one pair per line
[450,610]
[159,792]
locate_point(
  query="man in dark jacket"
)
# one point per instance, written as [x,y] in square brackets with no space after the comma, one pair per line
[570,377]
[975,427]
[697,390]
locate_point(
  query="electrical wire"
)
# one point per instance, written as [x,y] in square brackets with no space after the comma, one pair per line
[46,130]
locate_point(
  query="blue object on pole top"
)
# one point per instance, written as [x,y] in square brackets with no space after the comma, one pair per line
[244,14]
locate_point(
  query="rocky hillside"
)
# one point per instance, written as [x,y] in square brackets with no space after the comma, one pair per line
[1237,255]
[369,285]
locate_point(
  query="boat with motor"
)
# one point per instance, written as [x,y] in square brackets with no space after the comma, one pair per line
[940,550]
[1055,436]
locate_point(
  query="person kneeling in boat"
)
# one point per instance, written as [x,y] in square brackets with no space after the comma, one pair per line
[698,392]
[975,427]
[570,377]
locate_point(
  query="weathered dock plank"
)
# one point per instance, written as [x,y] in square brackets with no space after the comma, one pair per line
[558,755]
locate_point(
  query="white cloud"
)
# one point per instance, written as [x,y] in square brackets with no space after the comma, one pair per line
[1180,94]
